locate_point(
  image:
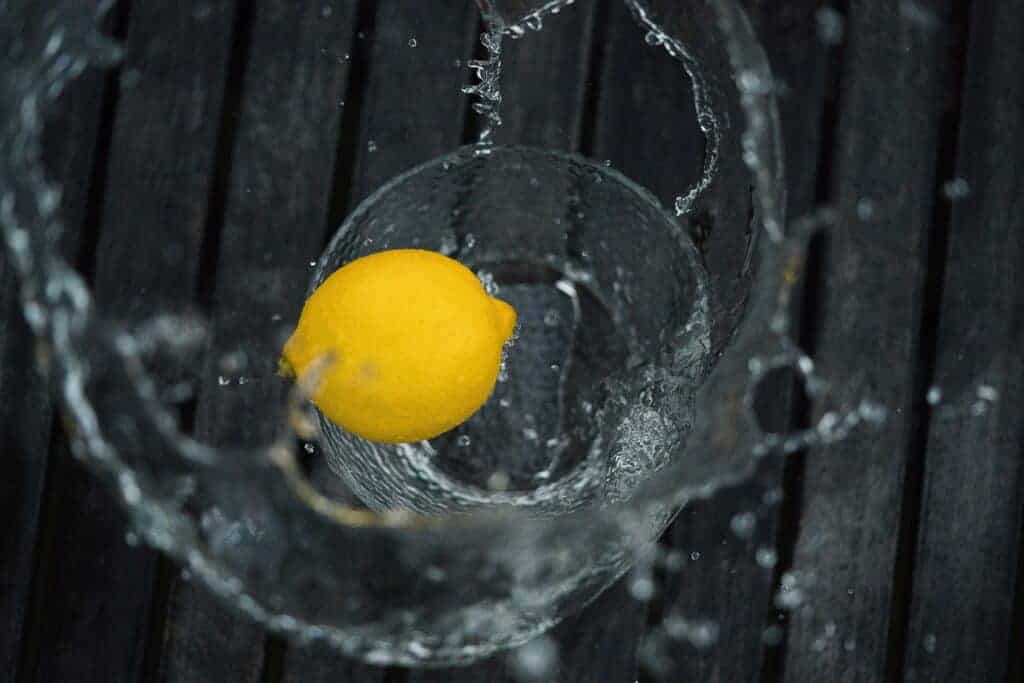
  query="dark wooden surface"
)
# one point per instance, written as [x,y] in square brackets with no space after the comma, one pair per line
[905,543]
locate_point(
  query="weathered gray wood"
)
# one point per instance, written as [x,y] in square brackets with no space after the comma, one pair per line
[725,583]
[545,79]
[27,410]
[890,109]
[276,209]
[965,573]
[412,111]
[94,598]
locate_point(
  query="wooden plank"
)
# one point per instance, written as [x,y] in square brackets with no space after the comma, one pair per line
[411,111]
[26,423]
[968,544]
[280,181]
[412,108]
[94,599]
[734,590]
[888,134]
[544,80]
[600,644]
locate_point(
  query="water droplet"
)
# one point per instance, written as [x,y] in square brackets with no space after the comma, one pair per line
[435,574]
[988,393]
[956,189]
[530,434]
[743,524]
[654,38]
[933,396]
[695,555]
[766,557]
[308,447]
[536,661]
[642,589]
[913,11]
[865,209]
[489,282]
[412,42]
[449,243]
[831,25]
[789,596]
[223,381]
[418,649]
[371,146]
[463,441]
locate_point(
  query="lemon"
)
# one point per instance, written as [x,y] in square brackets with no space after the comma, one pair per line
[415,344]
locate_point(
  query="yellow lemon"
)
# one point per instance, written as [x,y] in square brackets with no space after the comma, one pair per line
[415,344]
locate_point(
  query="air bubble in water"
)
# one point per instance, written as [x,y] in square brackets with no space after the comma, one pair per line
[464,441]
[933,396]
[371,146]
[412,42]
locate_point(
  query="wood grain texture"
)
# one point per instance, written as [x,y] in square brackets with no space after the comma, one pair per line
[26,413]
[275,211]
[889,115]
[412,107]
[724,583]
[544,84]
[544,81]
[967,552]
[94,598]
[412,111]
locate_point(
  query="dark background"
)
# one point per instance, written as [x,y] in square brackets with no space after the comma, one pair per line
[905,543]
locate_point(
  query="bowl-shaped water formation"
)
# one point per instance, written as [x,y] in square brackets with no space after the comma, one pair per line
[447,558]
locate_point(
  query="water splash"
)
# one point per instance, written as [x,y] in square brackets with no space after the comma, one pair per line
[706,118]
[487,89]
